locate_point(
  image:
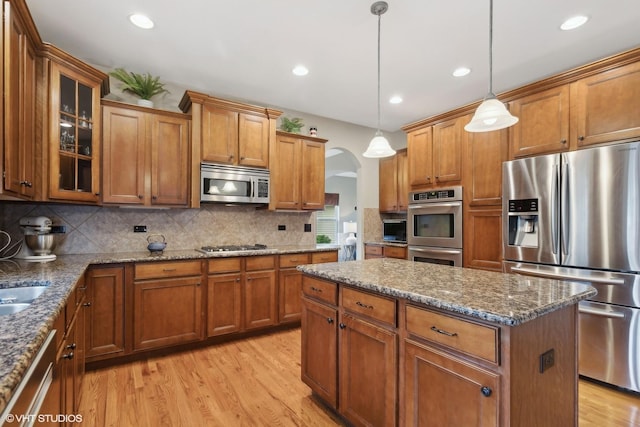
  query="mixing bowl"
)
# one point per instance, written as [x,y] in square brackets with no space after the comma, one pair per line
[40,244]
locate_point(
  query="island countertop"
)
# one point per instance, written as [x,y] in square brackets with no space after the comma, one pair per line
[502,298]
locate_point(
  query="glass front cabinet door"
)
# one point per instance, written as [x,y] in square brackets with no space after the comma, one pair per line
[74,172]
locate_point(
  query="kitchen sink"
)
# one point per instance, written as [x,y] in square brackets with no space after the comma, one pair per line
[13,300]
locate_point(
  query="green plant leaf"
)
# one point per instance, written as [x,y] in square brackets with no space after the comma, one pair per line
[143,85]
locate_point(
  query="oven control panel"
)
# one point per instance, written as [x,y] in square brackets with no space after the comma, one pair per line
[441,194]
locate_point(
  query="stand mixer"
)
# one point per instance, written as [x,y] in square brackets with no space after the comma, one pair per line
[38,240]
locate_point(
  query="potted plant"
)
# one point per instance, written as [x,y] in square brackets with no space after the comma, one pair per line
[143,85]
[291,125]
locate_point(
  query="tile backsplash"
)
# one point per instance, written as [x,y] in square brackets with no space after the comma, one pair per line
[91,229]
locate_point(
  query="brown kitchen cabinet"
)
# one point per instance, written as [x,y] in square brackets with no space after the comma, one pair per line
[484,153]
[297,172]
[543,125]
[376,250]
[19,102]
[73,135]
[606,105]
[362,385]
[145,156]
[260,292]
[105,312]
[435,154]
[167,304]
[393,179]
[373,250]
[483,238]
[224,296]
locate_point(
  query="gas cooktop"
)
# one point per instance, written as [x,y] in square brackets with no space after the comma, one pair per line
[231,248]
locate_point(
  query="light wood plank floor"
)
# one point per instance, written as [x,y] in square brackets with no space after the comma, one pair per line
[254,382]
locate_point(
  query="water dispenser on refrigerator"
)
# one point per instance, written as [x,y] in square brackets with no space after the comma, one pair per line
[523,223]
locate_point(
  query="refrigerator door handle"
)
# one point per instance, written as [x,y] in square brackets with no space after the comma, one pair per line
[603,313]
[555,200]
[538,273]
[565,213]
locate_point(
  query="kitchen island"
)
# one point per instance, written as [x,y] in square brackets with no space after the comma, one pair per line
[393,342]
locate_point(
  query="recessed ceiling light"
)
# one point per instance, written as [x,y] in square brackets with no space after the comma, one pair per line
[300,70]
[141,21]
[461,71]
[395,99]
[574,22]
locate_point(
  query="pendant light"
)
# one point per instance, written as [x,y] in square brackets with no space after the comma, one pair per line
[379,146]
[491,114]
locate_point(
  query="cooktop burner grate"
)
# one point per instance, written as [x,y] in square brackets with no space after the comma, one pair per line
[231,248]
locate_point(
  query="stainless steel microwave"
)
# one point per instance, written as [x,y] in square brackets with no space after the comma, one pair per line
[233,184]
[394,230]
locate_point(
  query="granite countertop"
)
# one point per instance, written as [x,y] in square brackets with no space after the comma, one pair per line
[22,333]
[506,299]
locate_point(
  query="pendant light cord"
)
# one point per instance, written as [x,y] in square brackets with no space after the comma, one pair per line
[379,19]
[491,48]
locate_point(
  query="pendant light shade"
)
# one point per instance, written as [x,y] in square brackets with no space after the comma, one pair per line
[491,114]
[379,146]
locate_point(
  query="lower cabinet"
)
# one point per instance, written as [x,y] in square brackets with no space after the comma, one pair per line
[260,302]
[167,304]
[350,351]
[384,251]
[483,238]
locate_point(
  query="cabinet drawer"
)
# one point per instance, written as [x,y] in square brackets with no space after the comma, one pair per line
[152,270]
[293,260]
[395,252]
[468,337]
[224,265]
[373,250]
[320,289]
[321,257]
[376,307]
[254,263]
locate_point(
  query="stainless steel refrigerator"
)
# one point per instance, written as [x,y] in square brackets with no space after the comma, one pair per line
[576,216]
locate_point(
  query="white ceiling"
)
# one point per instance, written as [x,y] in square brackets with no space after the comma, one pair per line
[245,49]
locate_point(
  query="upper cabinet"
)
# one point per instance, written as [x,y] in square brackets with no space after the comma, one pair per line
[145,156]
[73,137]
[19,107]
[394,188]
[435,154]
[297,172]
[606,106]
[543,125]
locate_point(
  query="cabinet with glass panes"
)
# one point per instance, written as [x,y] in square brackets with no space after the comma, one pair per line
[74,137]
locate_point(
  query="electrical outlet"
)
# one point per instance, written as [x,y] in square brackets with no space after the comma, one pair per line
[307,228]
[139,228]
[282,227]
[546,360]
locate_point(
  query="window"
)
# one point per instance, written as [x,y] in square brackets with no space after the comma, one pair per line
[327,223]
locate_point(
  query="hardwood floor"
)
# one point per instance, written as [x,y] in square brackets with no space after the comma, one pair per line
[254,382]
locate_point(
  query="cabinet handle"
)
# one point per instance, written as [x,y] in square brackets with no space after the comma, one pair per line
[26,183]
[231,157]
[140,196]
[97,194]
[428,179]
[238,279]
[563,141]
[342,325]
[68,356]
[581,138]
[329,320]
[242,158]
[71,346]
[314,289]
[154,197]
[370,307]
[437,178]
[168,270]
[486,391]
[443,332]
[86,304]
[294,260]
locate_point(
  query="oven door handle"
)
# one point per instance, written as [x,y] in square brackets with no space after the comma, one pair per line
[437,205]
[435,251]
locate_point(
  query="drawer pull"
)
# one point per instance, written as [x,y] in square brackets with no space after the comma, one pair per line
[443,332]
[168,270]
[329,320]
[71,346]
[86,304]
[68,356]
[342,325]
[486,391]
[370,307]
[314,289]
[293,260]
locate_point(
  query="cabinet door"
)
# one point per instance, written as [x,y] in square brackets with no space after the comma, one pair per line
[105,312]
[402,173]
[484,154]
[420,155]
[286,183]
[447,151]
[124,139]
[260,299]
[166,312]
[543,125]
[19,106]
[312,173]
[441,390]
[373,251]
[219,135]
[289,295]
[388,184]
[224,301]
[253,141]
[319,363]
[367,373]
[169,160]
[606,106]
[483,239]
